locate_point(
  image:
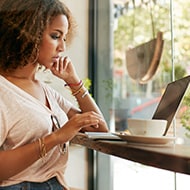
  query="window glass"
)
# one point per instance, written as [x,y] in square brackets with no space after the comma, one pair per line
[151,49]
[137,91]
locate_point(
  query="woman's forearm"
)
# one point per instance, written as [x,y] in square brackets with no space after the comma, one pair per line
[87,103]
[14,161]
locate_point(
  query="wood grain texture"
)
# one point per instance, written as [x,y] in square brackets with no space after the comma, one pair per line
[173,157]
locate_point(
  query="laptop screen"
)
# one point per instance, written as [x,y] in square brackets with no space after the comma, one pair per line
[171,99]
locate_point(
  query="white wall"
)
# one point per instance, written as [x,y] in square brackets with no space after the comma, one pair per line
[78,50]
[76,173]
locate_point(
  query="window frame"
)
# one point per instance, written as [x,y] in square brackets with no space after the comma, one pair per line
[100,63]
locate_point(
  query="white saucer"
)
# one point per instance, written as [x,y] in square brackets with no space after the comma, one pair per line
[145,139]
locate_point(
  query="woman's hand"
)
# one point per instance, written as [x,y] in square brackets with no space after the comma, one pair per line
[77,123]
[65,70]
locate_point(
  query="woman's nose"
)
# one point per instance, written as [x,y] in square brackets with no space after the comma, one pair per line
[62,45]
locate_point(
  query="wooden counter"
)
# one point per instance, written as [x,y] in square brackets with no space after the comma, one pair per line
[173,157]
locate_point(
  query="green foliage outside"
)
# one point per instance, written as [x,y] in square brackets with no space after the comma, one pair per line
[87,83]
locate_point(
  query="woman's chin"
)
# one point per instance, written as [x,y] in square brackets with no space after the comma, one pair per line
[48,66]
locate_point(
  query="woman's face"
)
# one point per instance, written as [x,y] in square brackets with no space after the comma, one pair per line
[53,41]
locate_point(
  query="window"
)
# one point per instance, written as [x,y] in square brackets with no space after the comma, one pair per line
[119,26]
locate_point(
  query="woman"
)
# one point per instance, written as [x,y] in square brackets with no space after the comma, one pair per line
[36,123]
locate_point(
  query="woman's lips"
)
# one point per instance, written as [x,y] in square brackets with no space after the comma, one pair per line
[55,59]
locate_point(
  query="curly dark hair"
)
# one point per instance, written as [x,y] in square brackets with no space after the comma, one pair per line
[22,23]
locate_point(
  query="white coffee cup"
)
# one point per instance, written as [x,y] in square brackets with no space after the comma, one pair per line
[147,127]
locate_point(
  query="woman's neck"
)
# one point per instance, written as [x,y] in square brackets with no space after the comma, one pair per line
[25,73]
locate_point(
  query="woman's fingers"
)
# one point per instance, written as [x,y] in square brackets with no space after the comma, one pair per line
[63,67]
[77,123]
[66,61]
[86,119]
[89,123]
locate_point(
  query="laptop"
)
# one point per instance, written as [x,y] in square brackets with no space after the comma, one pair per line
[171,100]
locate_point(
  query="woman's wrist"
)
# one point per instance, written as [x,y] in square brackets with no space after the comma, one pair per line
[80,92]
[72,79]
[78,89]
[75,84]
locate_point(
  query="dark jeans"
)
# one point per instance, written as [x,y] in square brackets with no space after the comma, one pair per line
[51,184]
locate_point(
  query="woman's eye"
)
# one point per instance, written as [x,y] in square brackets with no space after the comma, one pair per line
[55,37]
